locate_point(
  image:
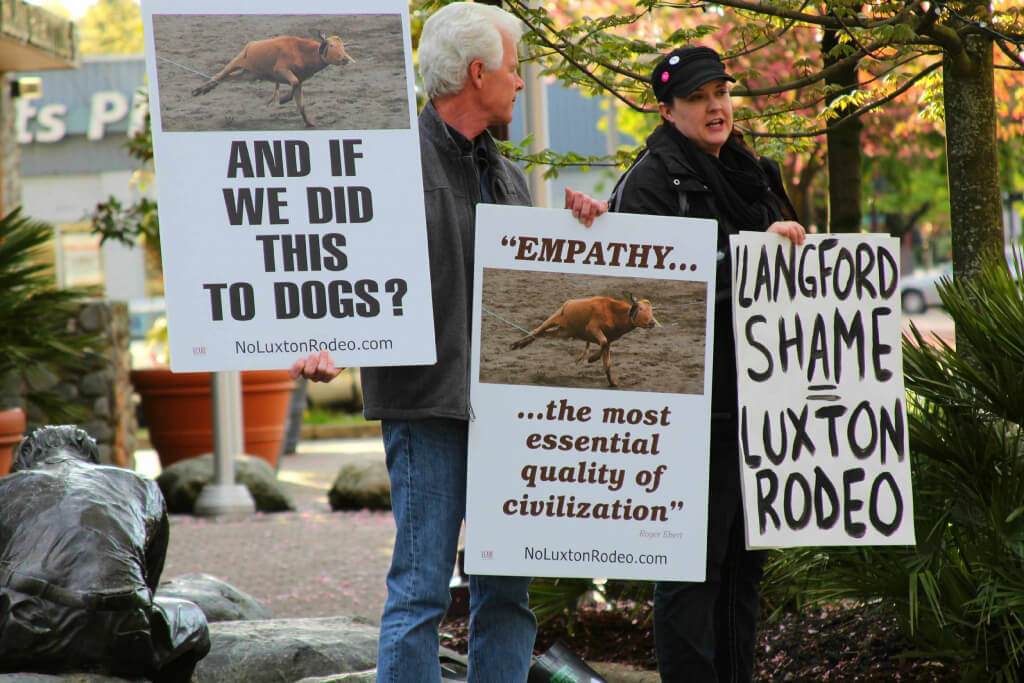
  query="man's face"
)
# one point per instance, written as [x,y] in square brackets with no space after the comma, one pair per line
[498,94]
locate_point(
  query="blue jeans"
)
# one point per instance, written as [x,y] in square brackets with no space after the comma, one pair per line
[706,632]
[427,463]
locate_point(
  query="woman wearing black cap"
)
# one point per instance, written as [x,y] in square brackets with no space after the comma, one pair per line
[695,166]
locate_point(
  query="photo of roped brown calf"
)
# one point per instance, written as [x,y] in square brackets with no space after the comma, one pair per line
[285,60]
[599,320]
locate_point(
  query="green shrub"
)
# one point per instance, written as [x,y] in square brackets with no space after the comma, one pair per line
[36,337]
[960,591]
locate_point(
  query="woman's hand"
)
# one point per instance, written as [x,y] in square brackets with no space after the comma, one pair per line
[791,229]
[584,208]
[317,368]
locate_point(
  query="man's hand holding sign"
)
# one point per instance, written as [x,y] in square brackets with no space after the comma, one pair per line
[319,367]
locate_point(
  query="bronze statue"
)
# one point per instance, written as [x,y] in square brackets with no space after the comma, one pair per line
[82,546]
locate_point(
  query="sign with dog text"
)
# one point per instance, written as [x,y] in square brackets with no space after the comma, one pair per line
[591,395]
[286,147]
[822,414]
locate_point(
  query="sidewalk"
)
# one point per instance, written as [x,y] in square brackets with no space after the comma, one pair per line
[309,563]
[933,322]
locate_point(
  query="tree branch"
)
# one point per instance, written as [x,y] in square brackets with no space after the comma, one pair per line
[813,78]
[825,21]
[818,100]
[769,40]
[857,112]
[1017,65]
[848,30]
[516,9]
[950,41]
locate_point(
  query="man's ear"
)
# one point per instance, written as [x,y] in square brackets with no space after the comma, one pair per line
[476,73]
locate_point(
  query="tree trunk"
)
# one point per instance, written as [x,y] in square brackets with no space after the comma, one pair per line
[975,208]
[844,215]
[801,189]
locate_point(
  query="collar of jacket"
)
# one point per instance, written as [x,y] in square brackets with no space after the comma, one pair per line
[661,144]
[437,132]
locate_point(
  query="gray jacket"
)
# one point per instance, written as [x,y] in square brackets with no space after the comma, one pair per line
[451,191]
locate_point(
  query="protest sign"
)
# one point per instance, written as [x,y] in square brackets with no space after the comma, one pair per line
[822,414]
[292,225]
[569,475]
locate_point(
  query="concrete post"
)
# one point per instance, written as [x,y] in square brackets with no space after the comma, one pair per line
[536,112]
[224,496]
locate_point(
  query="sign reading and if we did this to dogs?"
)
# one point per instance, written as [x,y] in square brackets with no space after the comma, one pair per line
[287,160]
[822,415]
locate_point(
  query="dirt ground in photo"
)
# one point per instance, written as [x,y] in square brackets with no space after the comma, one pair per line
[368,93]
[663,359]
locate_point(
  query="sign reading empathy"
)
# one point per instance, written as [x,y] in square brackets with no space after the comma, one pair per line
[590,387]
[290,192]
[822,416]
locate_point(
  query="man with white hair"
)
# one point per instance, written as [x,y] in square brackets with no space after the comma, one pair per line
[470,67]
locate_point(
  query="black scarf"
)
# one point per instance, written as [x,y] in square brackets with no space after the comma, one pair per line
[737,181]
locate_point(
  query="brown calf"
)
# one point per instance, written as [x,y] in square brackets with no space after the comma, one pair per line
[285,60]
[599,319]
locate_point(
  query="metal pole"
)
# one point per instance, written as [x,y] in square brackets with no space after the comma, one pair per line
[611,129]
[536,111]
[224,496]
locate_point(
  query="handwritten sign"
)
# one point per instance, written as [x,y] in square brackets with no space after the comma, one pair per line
[281,239]
[583,463]
[823,427]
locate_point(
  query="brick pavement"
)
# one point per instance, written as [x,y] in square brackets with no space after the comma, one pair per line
[309,563]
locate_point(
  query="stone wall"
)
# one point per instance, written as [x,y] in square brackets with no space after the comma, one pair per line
[103,388]
[46,40]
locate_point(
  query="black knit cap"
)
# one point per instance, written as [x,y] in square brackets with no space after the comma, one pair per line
[685,69]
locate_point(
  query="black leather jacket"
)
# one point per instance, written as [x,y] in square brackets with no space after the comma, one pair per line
[451,187]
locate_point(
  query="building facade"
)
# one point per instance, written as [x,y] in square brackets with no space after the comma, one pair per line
[73,139]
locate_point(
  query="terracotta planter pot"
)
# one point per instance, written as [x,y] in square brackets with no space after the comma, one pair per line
[12,429]
[179,411]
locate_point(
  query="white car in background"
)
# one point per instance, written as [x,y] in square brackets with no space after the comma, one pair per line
[919,290]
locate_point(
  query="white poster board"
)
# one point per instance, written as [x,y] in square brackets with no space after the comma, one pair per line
[279,239]
[823,427]
[567,475]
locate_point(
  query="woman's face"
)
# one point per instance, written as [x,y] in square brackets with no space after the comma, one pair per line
[704,116]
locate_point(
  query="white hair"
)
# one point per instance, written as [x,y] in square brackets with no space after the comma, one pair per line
[455,36]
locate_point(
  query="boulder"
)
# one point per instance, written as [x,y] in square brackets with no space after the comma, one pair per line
[218,600]
[65,678]
[453,668]
[182,482]
[274,650]
[363,484]
[282,643]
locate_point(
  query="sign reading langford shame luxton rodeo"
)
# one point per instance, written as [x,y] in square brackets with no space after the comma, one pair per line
[289,182]
[823,428]
[590,386]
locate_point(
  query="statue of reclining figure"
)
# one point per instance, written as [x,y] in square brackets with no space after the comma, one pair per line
[82,546]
